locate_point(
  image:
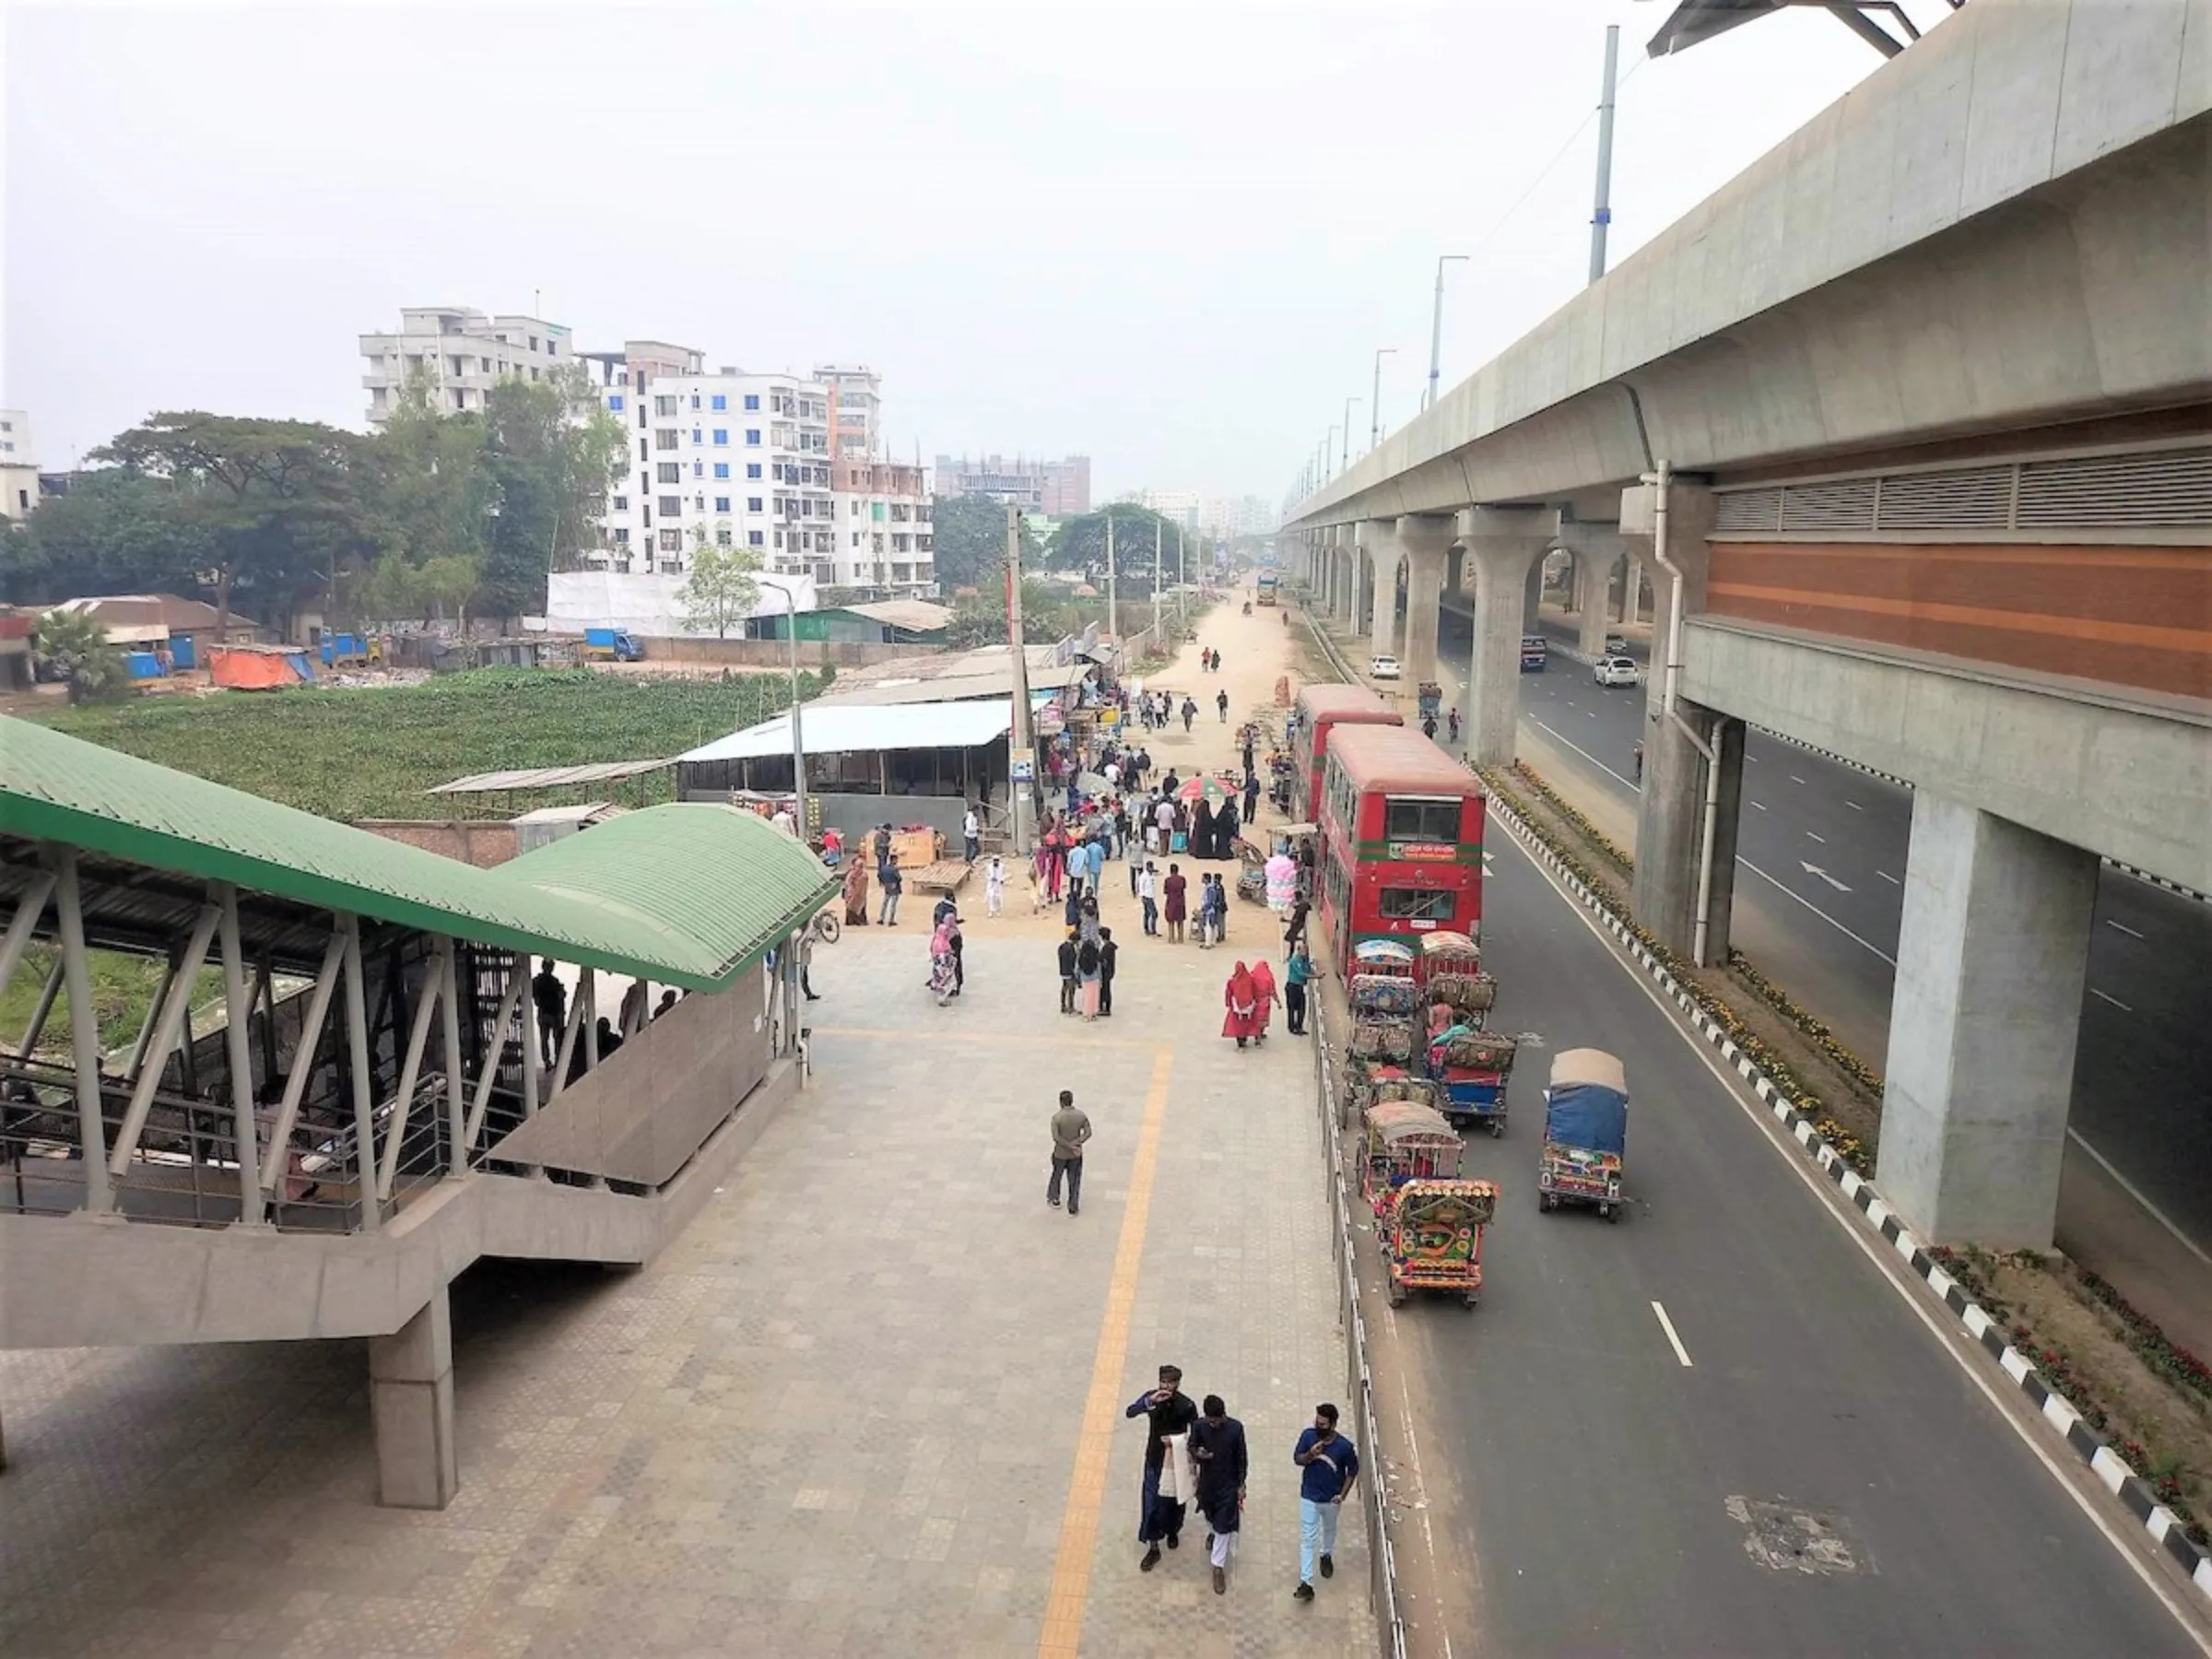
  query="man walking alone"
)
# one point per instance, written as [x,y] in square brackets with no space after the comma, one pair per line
[1070,1130]
[1331,1464]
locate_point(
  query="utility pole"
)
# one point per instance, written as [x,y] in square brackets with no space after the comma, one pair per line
[1021,787]
[1113,613]
[1346,461]
[1374,403]
[1183,582]
[1602,214]
[1159,537]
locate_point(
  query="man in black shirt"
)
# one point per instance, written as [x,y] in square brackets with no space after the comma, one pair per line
[551,999]
[1171,1412]
[1067,972]
[1108,952]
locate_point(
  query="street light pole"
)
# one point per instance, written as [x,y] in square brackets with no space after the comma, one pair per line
[1328,446]
[1601,214]
[1159,537]
[1436,328]
[798,734]
[1346,461]
[1114,611]
[1183,582]
[1374,402]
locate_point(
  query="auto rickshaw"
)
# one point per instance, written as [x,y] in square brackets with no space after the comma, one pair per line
[1431,1236]
[1584,1159]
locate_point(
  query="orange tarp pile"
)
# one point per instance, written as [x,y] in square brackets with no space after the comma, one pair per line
[249,668]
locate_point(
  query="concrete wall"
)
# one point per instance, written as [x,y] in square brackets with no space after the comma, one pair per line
[2125,776]
[638,1116]
[479,841]
[1996,227]
[68,1282]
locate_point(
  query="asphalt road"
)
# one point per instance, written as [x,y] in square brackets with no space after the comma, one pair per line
[1821,853]
[1580,1471]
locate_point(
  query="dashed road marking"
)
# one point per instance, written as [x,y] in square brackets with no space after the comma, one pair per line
[1795,779]
[2123,927]
[1760,805]
[1821,838]
[2114,1000]
[1892,880]
[1853,806]
[1674,1341]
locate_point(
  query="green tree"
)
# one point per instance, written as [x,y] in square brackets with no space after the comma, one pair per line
[969,543]
[116,532]
[275,498]
[721,589]
[76,645]
[980,618]
[1080,544]
[553,452]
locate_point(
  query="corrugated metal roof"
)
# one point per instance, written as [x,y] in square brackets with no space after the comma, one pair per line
[837,729]
[545,777]
[650,893]
[916,615]
[996,681]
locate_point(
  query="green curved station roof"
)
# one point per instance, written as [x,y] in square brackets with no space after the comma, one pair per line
[689,895]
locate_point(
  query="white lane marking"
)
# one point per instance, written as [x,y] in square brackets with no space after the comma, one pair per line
[2150,1210]
[1853,806]
[1753,758]
[1966,1352]
[1821,838]
[1795,779]
[1591,713]
[1892,880]
[1674,1341]
[1584,753]
[1819,912]
[2123,927]
[1814,869]
[1760,805]
[2114,1000]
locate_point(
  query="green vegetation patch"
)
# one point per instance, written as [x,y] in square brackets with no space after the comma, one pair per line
[374,752]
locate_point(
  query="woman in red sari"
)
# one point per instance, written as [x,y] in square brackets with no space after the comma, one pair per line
[1242,1001]
[1266,996]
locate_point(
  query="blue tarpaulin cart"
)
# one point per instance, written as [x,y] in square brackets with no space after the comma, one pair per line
[1584,1159]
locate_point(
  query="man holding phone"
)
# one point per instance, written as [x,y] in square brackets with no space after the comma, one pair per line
[1171,1412]
[1331,1464]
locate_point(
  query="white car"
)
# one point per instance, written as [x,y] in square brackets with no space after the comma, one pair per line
[1618,671]
[1383,667]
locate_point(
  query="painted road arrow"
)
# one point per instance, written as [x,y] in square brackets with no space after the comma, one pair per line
[1816,870]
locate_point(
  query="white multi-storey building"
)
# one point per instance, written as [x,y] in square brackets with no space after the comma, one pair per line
[19,465]
[727,458]
[884,534]
[855,409]
[464,352]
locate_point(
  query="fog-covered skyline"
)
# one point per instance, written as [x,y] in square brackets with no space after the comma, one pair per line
[1168,238]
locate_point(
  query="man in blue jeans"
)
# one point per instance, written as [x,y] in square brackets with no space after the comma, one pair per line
[1331,1464]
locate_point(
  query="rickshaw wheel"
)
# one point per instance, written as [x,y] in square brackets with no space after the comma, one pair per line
[1497,1128]
[1469,1299]
[1547,1203]
[1397,1294]
[1613,1212]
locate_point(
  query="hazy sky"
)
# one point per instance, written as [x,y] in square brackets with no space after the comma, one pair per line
[1171,237]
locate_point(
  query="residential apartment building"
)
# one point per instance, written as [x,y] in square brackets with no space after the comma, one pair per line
[464,352]
[1222,516]
[728,458]
[884,534]
[855,409]
[19,465]
[1052,488]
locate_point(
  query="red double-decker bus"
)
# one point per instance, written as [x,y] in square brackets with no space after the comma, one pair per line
[1322,708]
[1401,838]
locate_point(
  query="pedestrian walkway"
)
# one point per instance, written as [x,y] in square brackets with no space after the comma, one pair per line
[870,1403]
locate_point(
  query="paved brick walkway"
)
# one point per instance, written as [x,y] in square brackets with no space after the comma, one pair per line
[869,1403]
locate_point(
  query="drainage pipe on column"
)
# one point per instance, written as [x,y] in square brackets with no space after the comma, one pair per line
[1709,748]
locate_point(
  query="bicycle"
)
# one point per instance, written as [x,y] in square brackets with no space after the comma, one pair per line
[825,927]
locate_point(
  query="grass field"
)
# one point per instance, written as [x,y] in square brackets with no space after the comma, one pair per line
[372,753]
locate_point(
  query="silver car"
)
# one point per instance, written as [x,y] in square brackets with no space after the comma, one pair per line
[1618,671]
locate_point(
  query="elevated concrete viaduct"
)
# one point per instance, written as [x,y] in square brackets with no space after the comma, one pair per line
[1930,388]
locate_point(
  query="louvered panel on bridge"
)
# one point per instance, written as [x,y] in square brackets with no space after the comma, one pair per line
[2167,487]
[1976,499]
[1832,505]
[1747,511]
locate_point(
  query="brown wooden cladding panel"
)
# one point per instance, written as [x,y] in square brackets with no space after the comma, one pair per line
[2135,617]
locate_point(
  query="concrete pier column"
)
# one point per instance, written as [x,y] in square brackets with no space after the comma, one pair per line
[1505,548]
[1596,549]
[1340,609]
[1456,564]
[1424,537]
[1531,597]
[1991,955]
[411,1406]
[1671,806]
[1384,554]
[1631,590]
